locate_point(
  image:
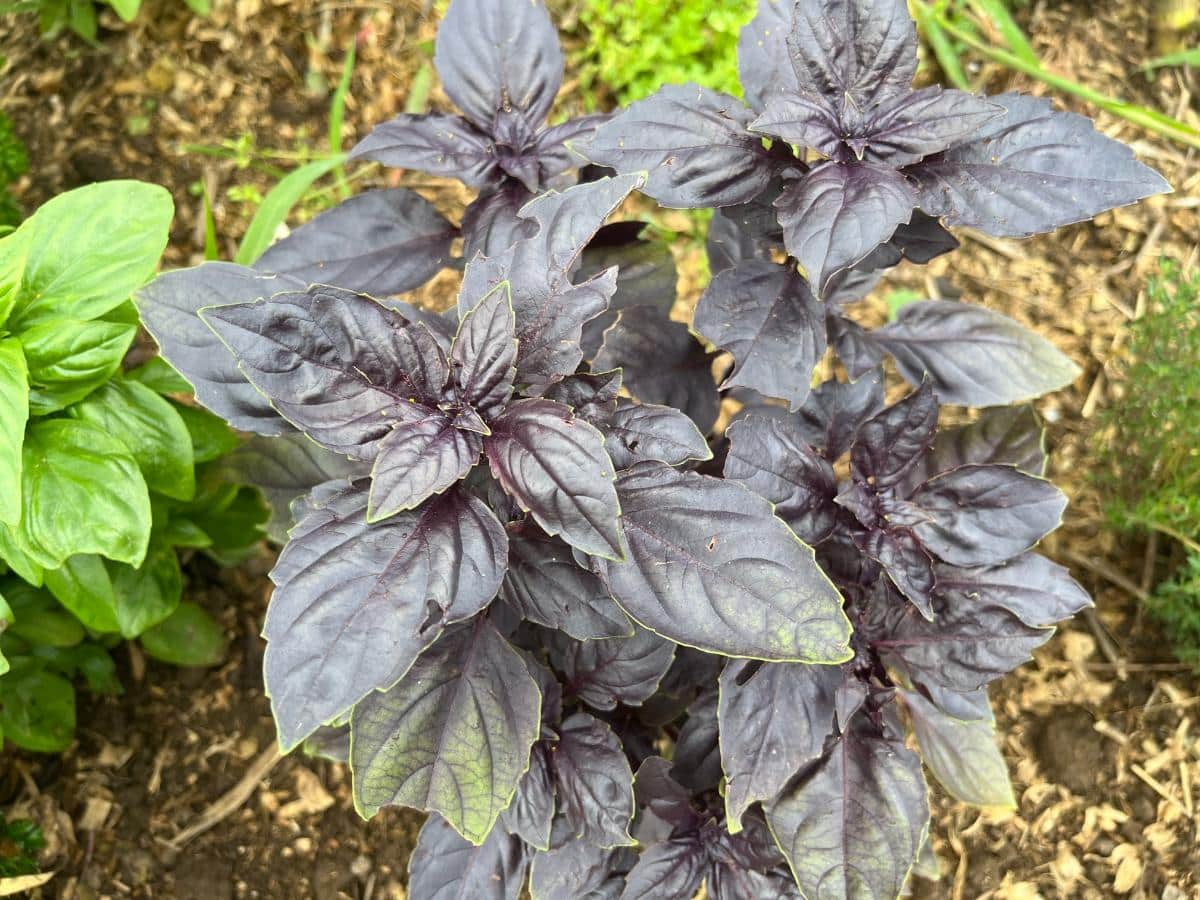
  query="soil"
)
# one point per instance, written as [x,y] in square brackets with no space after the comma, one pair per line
[1101,730]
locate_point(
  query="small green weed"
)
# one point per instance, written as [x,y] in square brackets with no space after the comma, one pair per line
[635,47]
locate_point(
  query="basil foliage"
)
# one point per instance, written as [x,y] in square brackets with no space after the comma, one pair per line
[531,590]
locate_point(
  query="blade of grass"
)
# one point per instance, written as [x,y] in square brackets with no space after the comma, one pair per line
[943,50]
[997,13]
[418,93]
[1182,58]
[1149,119]
[337,113]
[276,206]
[211,251]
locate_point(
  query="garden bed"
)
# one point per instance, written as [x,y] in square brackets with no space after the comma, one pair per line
[1100,731]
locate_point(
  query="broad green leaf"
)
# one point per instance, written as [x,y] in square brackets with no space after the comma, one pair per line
[276,206]
[235,526]
[82,585]
[47,625]
[152,430]
[126,9]
[159,375]
[189,637]
[84,252]
[37,710]
[181,532]
[211,437]
[68,359]
[82,493]
[14,413]
[961,753]
[453,736]
[148,594]
[17,556]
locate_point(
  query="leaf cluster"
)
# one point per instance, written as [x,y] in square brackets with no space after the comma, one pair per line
[80,16]
[105,475]
[20,842]
[631,49]
[1150,472]
[532,588]
[14,162]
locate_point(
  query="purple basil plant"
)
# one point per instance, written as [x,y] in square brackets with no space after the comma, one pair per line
[528,588]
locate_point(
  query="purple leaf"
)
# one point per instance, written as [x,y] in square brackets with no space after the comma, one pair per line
[910,127]
[893,441]
[595,783]
[580,870]
[444,866]
[545,586]
[972,355]
[837,214]
[593,397]
[669,870]
[484,355]
[338,365]
[763,62]
[697,758]
[805,120]
[436,143]
[774,719]
[922,239]
[766,316]
[554,466]
[615,670]
[964,648]
[1032,171]
[641,432]
[852,825]
[961,753]
[710,566]
[445,738]
[1031,587]
[495,55]
[661,363]
[904,561]
[694,145]
[563,147]
[746,231]
[833,413]
[170,307]
[531,813]
[551,309]
[417,460]
[378,243]
[855,53]
[1002,435]
[646,276]
[771,458]
[854,345]
[980,515]
[491,224]
[283,469]
[355,603]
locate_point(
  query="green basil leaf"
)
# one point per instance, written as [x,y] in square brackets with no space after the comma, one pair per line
[85,252]
[6,617]
[18,557]
[82,492]
[148,594]
[69,359]
[152,430]
[181,532]
[14,413]
[82,585]
[211,437]
[37,710]
[190,637]
[159,375]
[51,626]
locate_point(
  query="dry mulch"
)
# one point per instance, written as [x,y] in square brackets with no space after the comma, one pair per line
[1102,730]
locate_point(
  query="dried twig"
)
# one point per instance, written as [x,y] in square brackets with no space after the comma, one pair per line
[231,800]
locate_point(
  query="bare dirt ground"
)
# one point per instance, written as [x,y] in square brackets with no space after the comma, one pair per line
[1102,730]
